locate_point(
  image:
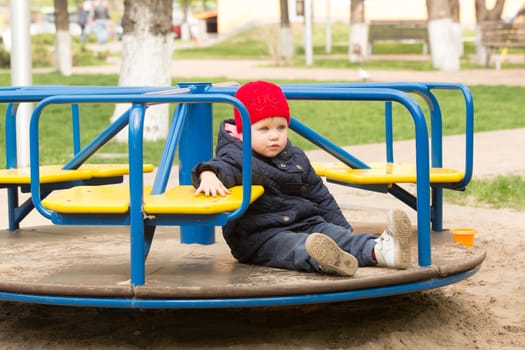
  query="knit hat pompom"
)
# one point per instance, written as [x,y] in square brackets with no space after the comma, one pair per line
[263,100]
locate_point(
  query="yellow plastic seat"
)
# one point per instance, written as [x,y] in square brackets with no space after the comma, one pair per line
[108,170]
[48,174]
[386,173]
[55,173]
[115,199]
[182,200]
[106,199]
[320,168]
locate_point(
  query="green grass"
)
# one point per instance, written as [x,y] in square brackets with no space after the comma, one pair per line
[258,43]
[345,123]
[249,44]
[500,192]
[383,64]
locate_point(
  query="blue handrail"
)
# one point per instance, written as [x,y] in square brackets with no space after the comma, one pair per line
[137,99]
[172,140]
[423,89]
[223,94]
[136,122]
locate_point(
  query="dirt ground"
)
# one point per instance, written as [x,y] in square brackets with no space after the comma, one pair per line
[485,311]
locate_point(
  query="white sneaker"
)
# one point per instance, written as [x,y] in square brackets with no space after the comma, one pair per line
[393,246]
[332,259]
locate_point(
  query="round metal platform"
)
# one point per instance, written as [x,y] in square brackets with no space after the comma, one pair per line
[89,266]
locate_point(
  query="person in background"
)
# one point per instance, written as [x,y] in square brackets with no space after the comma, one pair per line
[101,20]
[82,17]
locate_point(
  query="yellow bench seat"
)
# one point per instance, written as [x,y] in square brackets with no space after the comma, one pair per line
[115,199]
[109,170]
[55,173]
[384,173]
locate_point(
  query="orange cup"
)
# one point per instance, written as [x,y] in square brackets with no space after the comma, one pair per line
[464,235]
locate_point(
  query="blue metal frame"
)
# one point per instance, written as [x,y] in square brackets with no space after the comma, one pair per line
[17,212]
[193,115]
[136,220]
[423,89]
[168,154]
[15,95]
[310,93]
[199,128]
[302,93]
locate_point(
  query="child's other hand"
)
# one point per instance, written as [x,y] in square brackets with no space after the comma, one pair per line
[211,185]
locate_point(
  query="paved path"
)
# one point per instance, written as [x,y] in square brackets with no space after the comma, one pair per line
[246,69]
[260,69]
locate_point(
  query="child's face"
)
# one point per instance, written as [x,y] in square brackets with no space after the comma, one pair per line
[269,136]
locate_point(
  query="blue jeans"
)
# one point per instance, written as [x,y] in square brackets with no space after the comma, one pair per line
[286,250]
[101,30]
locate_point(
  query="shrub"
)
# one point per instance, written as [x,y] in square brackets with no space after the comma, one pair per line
[5,58]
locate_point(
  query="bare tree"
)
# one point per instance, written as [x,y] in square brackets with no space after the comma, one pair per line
[286,35]
[358,37]
[147,46]
[63,55]
[444,36]
[484,14]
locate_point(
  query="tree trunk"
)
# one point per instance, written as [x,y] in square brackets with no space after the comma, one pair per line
[457,31]
[286,36]
[308,33]
[445,41]
[185,33]
[147,44]
[358,37]
[484,14]
[63,55]
[328,28]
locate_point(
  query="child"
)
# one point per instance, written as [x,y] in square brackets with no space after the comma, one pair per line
[296,224]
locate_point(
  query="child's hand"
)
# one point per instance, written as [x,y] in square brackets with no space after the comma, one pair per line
[211,185]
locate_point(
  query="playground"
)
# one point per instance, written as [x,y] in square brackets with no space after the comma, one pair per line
[479,312]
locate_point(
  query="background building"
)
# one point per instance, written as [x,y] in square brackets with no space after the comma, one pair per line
[234,14]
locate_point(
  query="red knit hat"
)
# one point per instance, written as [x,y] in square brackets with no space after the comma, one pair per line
[262,100]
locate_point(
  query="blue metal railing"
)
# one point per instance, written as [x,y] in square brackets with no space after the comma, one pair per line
[423,89]
[140,98]
[135,124]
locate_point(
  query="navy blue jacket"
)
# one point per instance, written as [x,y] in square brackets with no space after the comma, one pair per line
[294,198]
